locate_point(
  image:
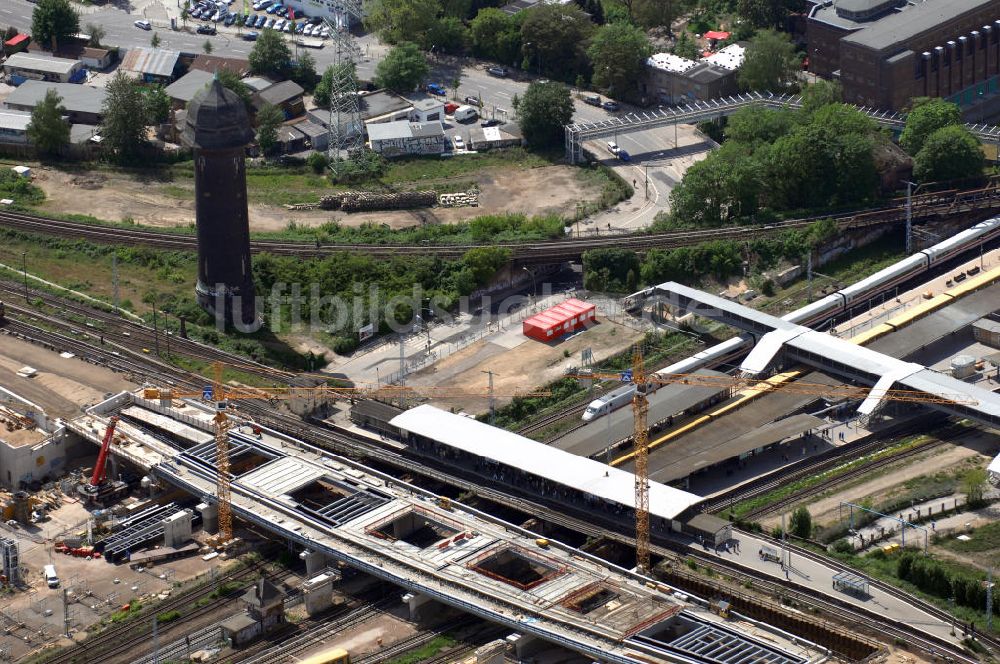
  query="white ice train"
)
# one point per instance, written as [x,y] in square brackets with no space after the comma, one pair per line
[613,400]
[836,303]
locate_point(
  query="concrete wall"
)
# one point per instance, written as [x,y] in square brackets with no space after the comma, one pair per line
[42,462]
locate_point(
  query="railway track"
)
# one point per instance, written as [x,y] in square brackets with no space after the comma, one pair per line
[824,464]
[924,207]
[590,525]
[121,639]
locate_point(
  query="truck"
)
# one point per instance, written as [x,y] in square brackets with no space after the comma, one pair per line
[51,578]
[465,113]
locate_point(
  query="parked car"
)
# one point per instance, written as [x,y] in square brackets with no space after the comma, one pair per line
[593,100]
[459,143]
[308,30]
[611,106]
[279,24]
[613,148]
[144,25]
[206,29]
[474,101]
[300,28]
[492,122]
[290,27]
[251,36]
[270,23]
[324,32]
[450,107]
[230,20]
[499,72]
[272,9]
[316,20]
[624,156]
[436,89]
[465,114]
[261,21]
[249,20]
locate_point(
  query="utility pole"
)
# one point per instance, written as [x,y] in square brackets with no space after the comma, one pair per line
[402,369]
[114,280]
[156,334]
[809,273]
[783,549]
[909,217]
[493,401]
[65,598]
[24,271]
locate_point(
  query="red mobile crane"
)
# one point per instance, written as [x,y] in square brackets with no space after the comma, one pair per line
[100,489]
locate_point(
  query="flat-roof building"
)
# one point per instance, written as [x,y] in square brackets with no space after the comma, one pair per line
[671,79]
[83,103]
[394,139]
[187,86]
[14,126]
[886,52]
[34,66]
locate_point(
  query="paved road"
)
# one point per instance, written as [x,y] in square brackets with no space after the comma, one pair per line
[807,572]
[653,147]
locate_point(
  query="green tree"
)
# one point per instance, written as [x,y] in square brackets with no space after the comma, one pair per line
[398,21]
[304,72]
[402,69]
[97,33]
[124,126]
[609,269]
[770,63]
[333,73]
[801,523]
[232,81]
[762,13]
[184,16]
[722,188]
[48,131]
[53,21]
[157,104]
[270,55]
[756,125]
[974,484]
[496,35]
[484,262]
[618,56]
[154,41]
[819,94]
[950,153]
[657,13]
[685,47]
[543,111]
[269,119]
[447,35]
[207,47]
[554,40]
[925,118]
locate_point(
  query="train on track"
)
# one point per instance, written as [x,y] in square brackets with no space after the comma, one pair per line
[332,656]
[826,309]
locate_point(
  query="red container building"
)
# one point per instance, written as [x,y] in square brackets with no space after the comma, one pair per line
[561,319]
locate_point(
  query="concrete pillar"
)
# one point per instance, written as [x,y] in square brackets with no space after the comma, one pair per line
[415,602]
[524,645]
[209,517]
[491,653]
[177,529]
[315,561]
[318,593]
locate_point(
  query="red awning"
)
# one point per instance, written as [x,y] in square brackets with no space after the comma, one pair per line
[16,39]
[716,34]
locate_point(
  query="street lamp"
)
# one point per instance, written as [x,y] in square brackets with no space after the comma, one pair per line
[534,292]
[911,187]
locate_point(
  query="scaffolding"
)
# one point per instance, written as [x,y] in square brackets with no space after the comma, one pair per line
[10,558]
[345,129]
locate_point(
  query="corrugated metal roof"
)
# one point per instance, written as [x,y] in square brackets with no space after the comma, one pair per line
[188,85]
[560,313]
[155,62]
[510,449]
[75,97]
[43,63]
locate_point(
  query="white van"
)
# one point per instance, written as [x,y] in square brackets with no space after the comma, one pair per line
[464,113]
[51,577]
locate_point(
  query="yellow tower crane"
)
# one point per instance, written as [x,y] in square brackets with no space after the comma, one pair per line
[221,395]
[644,381]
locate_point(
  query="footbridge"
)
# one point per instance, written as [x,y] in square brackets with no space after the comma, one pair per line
[702,111]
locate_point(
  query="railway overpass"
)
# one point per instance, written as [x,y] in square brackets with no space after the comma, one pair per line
[439,551]
[579,132]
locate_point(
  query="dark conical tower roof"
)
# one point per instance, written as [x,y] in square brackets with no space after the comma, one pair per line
[217,119]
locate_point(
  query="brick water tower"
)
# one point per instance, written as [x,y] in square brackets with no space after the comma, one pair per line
[218,129]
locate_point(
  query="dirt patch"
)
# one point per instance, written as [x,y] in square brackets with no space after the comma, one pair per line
[117,196]
[520,363]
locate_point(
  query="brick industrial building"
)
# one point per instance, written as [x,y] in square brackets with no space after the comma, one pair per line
[885,52]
